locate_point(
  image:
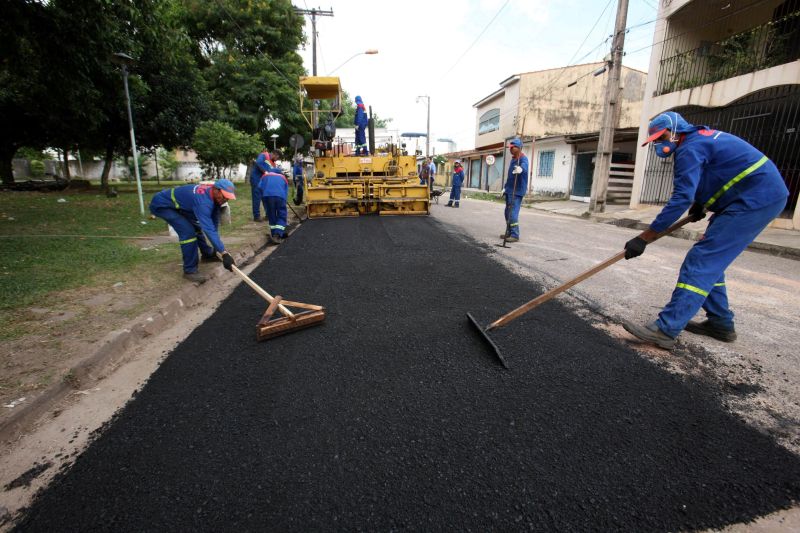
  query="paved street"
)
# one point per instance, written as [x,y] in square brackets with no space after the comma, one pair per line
[393,415]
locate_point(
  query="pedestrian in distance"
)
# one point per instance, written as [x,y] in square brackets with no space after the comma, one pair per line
[262,164]
[297,178]
[360,122]
[514,190]
[431,173]
[193,212]
[458,180]
[274,188]
[744,191]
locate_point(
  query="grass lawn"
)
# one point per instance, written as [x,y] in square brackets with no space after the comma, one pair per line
[61,240]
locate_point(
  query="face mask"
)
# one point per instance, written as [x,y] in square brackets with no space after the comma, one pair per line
[664,148]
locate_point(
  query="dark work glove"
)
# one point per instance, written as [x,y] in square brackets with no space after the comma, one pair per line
[635,247]
[227,261]
[697,212]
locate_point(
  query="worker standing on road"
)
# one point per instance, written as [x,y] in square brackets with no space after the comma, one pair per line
[297,178]
[458,180]
[193,212]
[360,121]
[743,189]
[274,189]
[515,188]
[263,163]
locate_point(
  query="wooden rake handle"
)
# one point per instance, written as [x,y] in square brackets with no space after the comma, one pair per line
[549,295]
[264,294]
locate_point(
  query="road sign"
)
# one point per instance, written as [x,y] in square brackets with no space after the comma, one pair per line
[490,160]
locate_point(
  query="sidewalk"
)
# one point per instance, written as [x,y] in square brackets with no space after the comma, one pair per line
[780,242]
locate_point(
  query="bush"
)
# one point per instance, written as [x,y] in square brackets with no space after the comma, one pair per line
[37,168]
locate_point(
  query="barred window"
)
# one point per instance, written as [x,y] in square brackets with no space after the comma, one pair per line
[546,164]
[490,121]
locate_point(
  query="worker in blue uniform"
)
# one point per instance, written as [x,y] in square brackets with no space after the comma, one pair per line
[744,191]
[458,180]
[193,212]
[297,178]
[360,121]
[515,189]
[262,164]
[274,189]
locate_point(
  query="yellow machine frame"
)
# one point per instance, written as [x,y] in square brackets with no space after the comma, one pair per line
[345,185]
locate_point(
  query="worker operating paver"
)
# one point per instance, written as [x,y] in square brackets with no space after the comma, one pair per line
[743,189]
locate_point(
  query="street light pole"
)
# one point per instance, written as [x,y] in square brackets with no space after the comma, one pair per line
[274,138]
[428,137]
[369,52]
[124,60]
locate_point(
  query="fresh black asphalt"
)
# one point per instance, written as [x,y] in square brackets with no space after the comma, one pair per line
[393,415]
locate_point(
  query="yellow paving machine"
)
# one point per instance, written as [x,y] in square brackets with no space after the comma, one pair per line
[343,184]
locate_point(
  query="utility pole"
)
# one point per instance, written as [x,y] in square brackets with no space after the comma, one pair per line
[605,144]
[314,14]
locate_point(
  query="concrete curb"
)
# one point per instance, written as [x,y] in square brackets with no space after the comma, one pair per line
[116,348]
[688,234]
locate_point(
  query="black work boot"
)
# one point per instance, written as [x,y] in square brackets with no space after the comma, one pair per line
[708,329]
[195,277]
[649,333]
[449,204]
[456,205]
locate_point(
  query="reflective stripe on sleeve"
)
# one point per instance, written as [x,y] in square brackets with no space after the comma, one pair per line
[692,288]
[736,179]
[174,201]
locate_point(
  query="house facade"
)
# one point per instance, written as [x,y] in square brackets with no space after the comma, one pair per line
[733,66]
[558,126]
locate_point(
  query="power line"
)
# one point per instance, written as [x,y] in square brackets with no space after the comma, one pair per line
[476,40]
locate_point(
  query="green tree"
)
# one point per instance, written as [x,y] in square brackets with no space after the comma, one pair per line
[247,50]
[219,147]
[167,162]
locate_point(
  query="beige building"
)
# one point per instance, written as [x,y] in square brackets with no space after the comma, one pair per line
[733,66]
[558,125]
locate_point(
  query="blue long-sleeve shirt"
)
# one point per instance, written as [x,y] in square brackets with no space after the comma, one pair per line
[194,200]
[262,164]
[274,184]
[458,178]
[360,120]
[522,178]
[720,171]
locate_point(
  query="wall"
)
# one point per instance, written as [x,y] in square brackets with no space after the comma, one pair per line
[551,108]
[506,101]
[558,184]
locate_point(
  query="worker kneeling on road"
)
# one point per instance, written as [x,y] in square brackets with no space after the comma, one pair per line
[514,191]
[274,190]
[193,211]
[743,189]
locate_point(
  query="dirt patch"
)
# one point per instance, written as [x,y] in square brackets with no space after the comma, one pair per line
[28,476]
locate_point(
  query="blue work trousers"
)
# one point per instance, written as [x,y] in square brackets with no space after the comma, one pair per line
[190,235]
[275,206]
[512,215]
[455,194]
[701,282]
[361,142]
[299,190]
[255,196]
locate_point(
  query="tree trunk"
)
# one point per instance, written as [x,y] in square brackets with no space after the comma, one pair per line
[109,160]
[6,167]
[155,160]
[67,175]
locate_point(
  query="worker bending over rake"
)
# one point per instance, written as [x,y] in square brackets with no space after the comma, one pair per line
[193,212]
[721,173]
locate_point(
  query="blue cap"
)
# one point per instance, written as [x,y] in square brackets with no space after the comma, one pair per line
[227,188]
[671,121]
[359,100]
[515,142]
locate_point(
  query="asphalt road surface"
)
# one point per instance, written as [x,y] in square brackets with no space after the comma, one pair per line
[393,414]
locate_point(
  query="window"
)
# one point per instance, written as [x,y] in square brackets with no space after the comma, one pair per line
[546,164]
[490,121]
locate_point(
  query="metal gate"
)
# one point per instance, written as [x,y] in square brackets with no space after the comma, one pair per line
[768,119]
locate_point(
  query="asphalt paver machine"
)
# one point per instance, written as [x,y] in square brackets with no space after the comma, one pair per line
[344,184]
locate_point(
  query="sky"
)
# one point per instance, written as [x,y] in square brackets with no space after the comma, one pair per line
[457,52]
